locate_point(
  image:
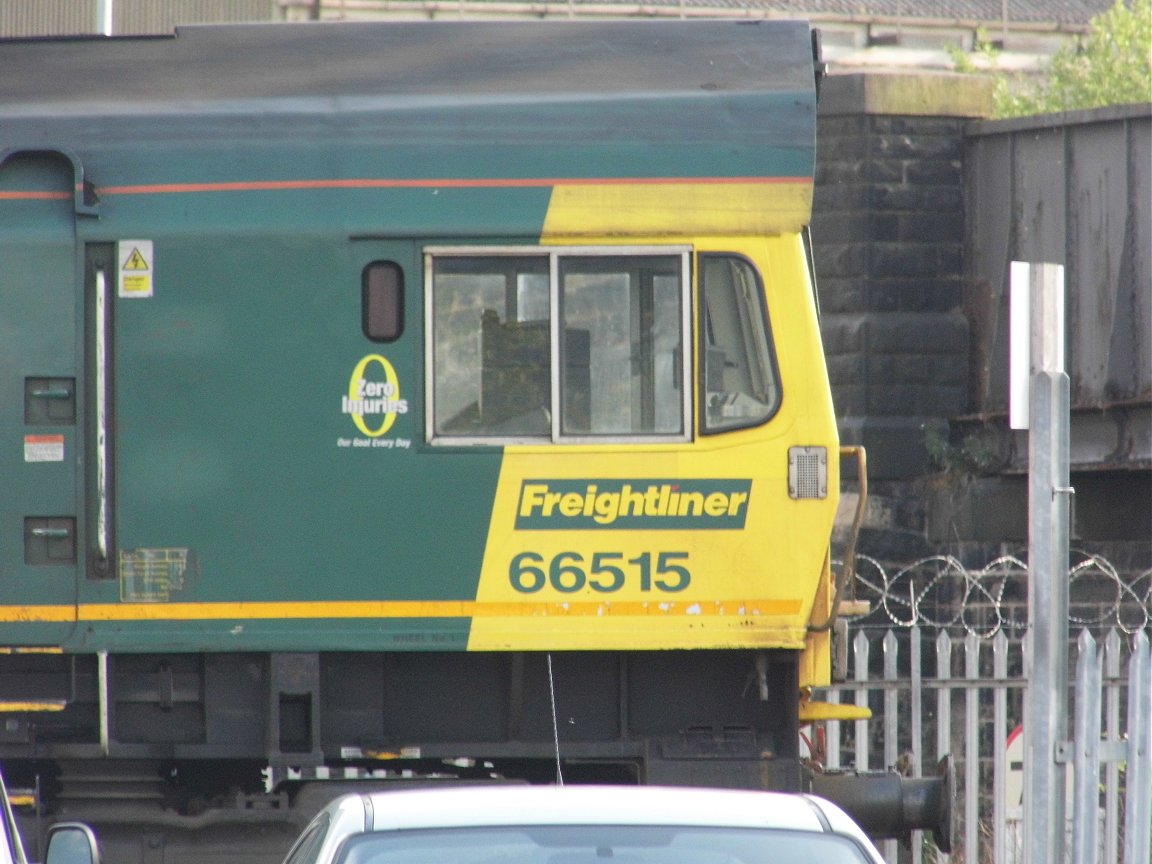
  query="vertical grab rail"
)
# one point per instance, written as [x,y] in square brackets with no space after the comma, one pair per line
[101,386]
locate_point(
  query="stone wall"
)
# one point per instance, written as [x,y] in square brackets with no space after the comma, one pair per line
[898,264]
[888,240]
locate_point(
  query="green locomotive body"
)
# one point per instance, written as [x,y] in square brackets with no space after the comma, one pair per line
[414,397]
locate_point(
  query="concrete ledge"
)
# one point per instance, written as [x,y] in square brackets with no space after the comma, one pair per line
[922,94]
[981,509]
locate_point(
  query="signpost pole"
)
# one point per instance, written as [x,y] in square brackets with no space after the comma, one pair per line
[1049,494]
[104,17]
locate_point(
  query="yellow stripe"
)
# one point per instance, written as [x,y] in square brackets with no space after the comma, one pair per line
[392,609]
[27,707]
[37,614]
[812,711]
[679,210]
[577,633]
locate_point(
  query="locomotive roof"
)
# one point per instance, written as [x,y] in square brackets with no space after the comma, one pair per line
[712,122]
[334,60]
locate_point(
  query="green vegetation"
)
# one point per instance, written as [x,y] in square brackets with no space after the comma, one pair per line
[975,455]
[1111,65]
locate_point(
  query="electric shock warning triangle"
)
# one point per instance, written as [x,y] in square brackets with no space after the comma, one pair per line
[135,261]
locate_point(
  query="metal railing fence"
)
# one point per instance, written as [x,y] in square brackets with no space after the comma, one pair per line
[934,695]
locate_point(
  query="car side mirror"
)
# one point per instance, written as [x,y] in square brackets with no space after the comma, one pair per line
[71,843]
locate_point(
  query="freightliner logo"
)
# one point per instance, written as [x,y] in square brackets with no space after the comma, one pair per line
[578,505]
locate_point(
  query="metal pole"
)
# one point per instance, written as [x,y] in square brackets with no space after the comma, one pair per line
[972,747]
[917,696]
[1046,725]
[944,707]
[1086,723]
[1138,812]
[892,722]
[1000,751]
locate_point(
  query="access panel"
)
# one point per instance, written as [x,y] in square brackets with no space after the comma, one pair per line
[41,402]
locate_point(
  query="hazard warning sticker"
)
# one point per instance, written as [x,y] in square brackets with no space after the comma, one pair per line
[136,268]
[43,448]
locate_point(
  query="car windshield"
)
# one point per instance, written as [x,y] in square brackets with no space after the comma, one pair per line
[599,844]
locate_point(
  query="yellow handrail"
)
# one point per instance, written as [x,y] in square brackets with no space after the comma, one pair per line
[848,569]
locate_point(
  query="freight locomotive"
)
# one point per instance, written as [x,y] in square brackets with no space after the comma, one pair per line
[413,400]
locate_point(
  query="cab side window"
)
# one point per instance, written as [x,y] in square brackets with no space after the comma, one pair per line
[740,386]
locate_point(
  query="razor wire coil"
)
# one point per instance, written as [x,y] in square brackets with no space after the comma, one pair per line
[939,591]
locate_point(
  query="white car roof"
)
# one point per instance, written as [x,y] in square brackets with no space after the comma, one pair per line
[471,806]
[493,805]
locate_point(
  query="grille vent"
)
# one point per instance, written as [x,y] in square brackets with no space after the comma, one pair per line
[808,472]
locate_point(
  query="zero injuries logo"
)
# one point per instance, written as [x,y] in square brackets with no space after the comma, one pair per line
[373,400]
[632,504]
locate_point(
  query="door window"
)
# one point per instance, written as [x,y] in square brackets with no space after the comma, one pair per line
[566,345]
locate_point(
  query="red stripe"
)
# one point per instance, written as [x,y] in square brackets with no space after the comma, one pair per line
[435,183]
[34,196]
[383,183]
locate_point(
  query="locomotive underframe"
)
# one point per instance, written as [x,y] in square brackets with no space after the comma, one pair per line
[296,712]
[203,752]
